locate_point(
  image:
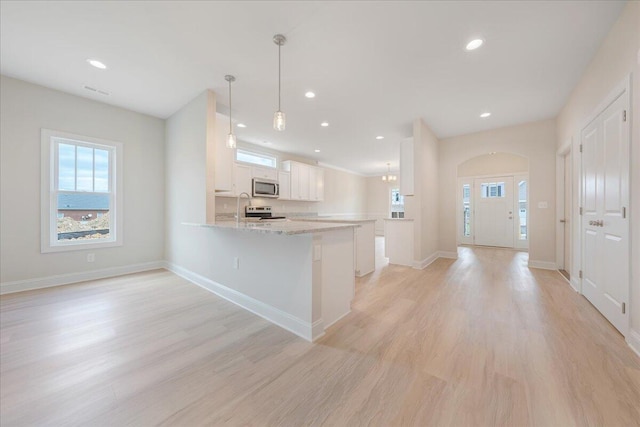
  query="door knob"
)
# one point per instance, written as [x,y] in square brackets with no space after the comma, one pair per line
[563,220]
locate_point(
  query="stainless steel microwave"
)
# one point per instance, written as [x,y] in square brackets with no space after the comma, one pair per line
[261,187]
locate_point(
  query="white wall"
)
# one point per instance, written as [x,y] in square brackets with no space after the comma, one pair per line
[344,193]
[422,207]
[618,56]
[536,142]
[26,108]
[378,201]
[494,164]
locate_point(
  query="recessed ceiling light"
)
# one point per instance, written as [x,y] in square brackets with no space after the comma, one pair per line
[266,142]
[485,115]
[97,64]
[316,150]
[474,44]
[379,137]
[324,124]
[242,125]
[310,94]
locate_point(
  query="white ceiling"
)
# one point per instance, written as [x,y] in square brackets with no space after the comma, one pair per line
[375,66]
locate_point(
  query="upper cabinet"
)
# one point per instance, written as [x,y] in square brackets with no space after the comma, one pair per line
[307,181]
[284,180]
[223,156]
[265,173]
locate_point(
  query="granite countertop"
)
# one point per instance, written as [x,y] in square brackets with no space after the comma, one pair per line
[346,219]
[277,227]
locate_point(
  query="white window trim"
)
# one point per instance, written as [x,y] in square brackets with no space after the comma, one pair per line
[48,203]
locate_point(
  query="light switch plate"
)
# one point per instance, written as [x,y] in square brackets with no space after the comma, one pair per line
[317,252]
[543,205]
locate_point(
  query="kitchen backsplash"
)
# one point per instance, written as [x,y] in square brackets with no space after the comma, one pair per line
[227,205]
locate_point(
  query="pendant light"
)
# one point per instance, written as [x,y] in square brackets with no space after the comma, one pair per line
[279,121]
[388,177]
[231,138]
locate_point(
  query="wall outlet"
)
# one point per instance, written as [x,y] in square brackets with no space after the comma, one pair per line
[236,263]
[91,257]
[225,206]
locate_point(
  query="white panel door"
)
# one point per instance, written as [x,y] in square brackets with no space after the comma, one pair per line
[605,223]
[494,214]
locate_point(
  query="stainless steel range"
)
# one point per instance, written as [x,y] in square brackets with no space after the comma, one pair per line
[261,212]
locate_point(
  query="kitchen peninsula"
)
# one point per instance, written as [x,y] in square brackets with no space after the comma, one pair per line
[296,274]
[365,243]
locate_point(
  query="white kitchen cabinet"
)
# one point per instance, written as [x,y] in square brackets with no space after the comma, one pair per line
[242,175]
[284,180]
[313,187]
[299,179]
[223,157]
[265,173]
[303,183]
[319,184]
[307,181]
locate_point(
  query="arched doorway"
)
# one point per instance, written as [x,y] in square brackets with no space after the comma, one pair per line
[493,201]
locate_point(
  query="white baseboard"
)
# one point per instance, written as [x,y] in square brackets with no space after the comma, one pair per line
[66,279]
[633,340]
[449,255]
[544,265]
[420,265]
[306,330]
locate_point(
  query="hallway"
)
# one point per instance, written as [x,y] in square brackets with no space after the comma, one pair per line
[482,340]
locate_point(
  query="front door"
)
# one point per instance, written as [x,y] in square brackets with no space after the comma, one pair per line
[494,211]
[605,219]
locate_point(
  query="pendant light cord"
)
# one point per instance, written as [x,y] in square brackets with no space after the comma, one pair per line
[279,72]
[230,128]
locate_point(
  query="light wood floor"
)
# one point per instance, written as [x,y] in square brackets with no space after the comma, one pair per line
[482,340]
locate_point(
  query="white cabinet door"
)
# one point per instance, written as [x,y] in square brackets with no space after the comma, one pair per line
[284,180]
[303,184]
[224,157]
[605,220]
[320,184]
[266,173]
[313,185]
[242,179]
[295,181]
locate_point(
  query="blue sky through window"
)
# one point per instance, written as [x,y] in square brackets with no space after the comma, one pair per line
[82,168]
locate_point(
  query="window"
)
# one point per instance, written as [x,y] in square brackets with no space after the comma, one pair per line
[396,197]
[254,158]
[522,210]
[81,192]
[492,189]
[466,210]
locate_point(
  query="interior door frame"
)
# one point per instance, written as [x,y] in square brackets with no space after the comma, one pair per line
[564,151]
[621,89]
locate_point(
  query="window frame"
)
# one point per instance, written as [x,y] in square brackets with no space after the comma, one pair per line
[49,193]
